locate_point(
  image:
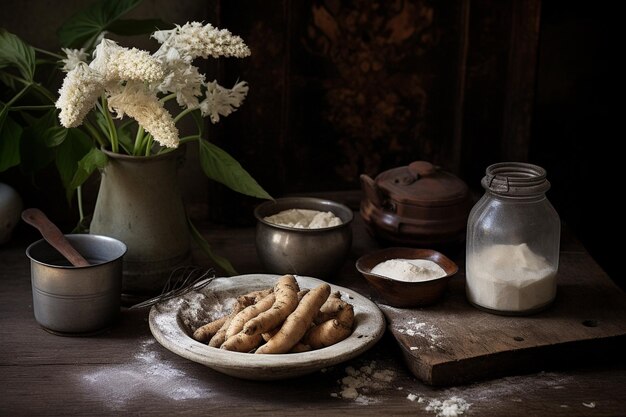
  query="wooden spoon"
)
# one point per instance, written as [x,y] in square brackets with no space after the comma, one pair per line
[53,236]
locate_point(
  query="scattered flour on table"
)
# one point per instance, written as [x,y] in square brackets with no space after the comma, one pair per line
[457,400]
[361,384]
[452,407]
[146,373]
[426,331]
[590,405]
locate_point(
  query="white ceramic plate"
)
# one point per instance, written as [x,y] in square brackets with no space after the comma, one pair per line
[171,323]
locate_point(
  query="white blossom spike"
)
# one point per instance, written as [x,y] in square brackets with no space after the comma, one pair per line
[117,64]
[143,106]
[194,40]
[78,95]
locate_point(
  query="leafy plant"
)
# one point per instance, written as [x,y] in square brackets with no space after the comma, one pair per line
[34,133]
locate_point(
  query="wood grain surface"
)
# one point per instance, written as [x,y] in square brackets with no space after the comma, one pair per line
[124,371]
[453,342]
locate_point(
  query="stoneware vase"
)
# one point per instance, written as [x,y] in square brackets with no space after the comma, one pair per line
[139,203]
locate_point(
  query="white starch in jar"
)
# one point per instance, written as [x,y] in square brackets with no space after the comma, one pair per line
[510,278]
[409,270]
[304,219]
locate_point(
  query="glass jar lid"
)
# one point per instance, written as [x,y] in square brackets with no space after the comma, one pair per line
[515,179]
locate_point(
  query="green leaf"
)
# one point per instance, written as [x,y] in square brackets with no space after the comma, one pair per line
[54,136]
[85,26]
[131,27]
[34,149]
[7,80]
[218,165]
[95,158]
[206,248]
[75,146]
[15,52]
[10,133]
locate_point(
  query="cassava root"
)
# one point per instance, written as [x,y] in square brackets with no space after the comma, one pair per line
[281,320]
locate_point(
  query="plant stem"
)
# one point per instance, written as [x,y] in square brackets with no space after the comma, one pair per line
[41,90]
[138,140]
[206,248]
[79,199]
[188,139]
[38,88]
[94,132]
[167,97]
[18,95]
[149,145]
[111,126]
[43,51]
[182,114]
[42,107]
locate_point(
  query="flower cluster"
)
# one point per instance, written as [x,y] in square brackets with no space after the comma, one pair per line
[136,83]
[149,112]
[193,40]
[81,89]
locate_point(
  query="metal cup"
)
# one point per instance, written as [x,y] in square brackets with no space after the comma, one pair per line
[77,300]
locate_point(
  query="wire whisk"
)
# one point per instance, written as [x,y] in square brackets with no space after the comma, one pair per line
[181,281]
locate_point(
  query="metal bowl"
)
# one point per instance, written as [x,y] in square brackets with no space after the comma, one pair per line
[402,293]
[316,253]
[77,300]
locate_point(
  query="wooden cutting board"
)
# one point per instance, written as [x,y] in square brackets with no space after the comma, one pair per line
[453,342]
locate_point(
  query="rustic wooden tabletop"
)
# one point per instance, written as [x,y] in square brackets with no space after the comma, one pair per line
[125,371]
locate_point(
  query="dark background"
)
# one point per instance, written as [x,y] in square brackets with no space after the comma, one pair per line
[340,88]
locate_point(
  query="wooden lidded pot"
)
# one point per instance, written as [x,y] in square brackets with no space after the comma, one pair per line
[416,205]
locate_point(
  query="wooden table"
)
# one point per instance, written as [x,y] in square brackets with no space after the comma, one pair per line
[124,370]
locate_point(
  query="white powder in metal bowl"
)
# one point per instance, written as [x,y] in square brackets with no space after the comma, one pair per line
[409,270]
[304,219]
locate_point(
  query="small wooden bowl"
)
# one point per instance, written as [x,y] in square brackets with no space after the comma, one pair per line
[402,293]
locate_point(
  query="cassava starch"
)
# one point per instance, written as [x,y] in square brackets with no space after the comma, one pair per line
[510,278]
[410,270]
[304,219]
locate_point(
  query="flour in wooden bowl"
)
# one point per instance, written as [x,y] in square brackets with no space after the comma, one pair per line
[409,270]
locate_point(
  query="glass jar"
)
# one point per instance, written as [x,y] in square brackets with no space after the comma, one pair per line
[513,237]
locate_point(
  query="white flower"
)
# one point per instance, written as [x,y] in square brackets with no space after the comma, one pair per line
[117,63]
[80,90]
[183,79]
[132,78]
[74,56]
[222,101]
[193,40]
[144,106]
